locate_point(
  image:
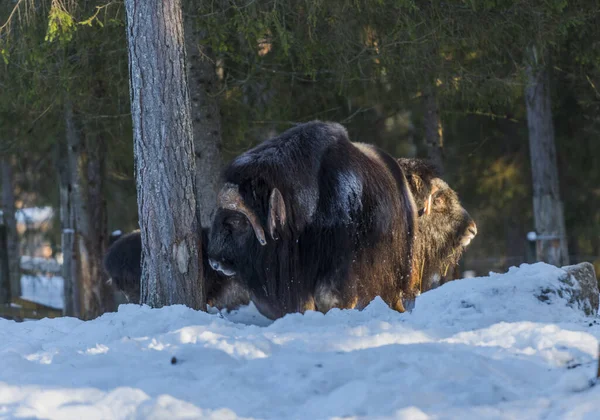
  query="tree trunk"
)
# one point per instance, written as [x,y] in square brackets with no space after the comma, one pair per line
[12,237]
[98,294]
[4,271]
[164,156]
[88,209]
[71,305]
[72,196]
[547,206]
[206,122]
[434,134]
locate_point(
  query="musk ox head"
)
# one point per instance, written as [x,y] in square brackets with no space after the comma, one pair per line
[122,262]
[445,228]
[239,228]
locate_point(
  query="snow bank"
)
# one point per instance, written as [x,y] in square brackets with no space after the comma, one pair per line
[481,348]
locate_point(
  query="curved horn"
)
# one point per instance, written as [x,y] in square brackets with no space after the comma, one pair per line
[230,199]
[428,204]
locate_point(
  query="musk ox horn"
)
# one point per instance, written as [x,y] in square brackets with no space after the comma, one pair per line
[276,213]
[230,199]
[428,202]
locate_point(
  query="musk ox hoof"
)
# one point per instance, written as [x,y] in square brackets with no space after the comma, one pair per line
[326,298]
[404,305]
[409,304]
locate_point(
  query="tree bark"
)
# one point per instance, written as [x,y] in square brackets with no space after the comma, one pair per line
[434,134]
[86,159]
[164,156]
[98,294]
[73,195]
[206,122]
[12,237]
[547,206]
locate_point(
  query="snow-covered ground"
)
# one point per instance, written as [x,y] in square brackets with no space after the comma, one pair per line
[479,348]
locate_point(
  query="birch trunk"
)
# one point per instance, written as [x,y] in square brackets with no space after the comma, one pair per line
[206,117]
[547,206]
[164,155]
[12,236]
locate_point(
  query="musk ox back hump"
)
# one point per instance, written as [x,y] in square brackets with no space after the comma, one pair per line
[293,159]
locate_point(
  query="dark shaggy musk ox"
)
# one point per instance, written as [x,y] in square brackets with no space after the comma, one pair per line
[309,220]
[122,262]
[445,228]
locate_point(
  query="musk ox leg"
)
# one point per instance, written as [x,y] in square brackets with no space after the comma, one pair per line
[227,294]
[328,297]
[309,305]
[399,306]
[404,304]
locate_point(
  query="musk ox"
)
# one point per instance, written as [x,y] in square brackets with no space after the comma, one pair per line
[445,228]
[444,231]
[122,262]
[309,220]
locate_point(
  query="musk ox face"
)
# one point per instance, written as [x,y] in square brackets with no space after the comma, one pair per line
[445,228]
[239,232]
[444,220]
[244,246]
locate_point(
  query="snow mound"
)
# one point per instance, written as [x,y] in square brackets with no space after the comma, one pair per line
[540,292]
[483,348]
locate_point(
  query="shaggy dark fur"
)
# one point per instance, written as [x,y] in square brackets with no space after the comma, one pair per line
[338,219]
[445,232]
[122,262]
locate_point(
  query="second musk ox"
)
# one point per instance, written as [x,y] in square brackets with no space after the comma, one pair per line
[309,220]
[122,262]
[445,228]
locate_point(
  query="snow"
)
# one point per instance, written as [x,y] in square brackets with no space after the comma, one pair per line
[47,290]
[478,348]
[33,214]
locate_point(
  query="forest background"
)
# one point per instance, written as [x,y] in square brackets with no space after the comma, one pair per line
[444,79]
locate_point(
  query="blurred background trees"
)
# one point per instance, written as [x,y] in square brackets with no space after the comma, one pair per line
[445,79]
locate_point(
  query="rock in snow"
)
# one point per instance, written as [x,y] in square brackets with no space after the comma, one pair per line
[517,345]
[587,294]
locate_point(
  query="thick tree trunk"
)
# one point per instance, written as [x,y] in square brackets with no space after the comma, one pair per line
[12,237]
[71,305]
[547,206]
[434,134]
[206,116]
[164,156]
[88,209]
